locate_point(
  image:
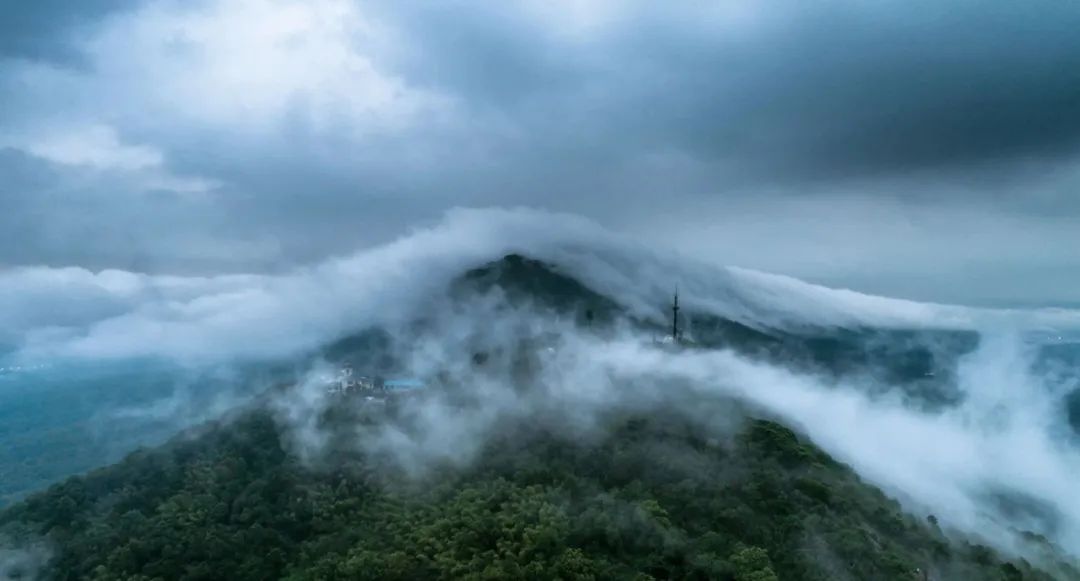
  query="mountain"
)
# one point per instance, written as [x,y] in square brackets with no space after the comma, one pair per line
[921,361]
[476,480]
[521,279]
[651,499]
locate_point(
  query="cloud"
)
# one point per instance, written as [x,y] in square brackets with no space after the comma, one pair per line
[95,146]
[1007,436]
[74,312]
[258,66]
[801,91]
[194,181]
[318,127]
[19,561]
[49,29]
[98,148]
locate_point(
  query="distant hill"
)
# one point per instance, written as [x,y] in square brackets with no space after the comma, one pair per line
[68,419]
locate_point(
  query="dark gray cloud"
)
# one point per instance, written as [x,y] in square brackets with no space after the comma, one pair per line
[60,216]
[826,90]
[822,140]
[48,29]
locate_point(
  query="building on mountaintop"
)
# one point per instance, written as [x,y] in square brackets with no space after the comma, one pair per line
[403,386]
[346,383]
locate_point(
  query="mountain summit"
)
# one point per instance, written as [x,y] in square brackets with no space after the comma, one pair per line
[493,473]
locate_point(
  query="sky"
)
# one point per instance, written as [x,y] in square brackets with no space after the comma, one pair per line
[918,149]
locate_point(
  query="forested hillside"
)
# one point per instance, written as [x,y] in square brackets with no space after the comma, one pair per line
[652,498]
[689,486]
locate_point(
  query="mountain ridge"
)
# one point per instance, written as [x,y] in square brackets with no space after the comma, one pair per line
[194,508]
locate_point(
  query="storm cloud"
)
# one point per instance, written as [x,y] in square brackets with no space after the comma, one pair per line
[925,150]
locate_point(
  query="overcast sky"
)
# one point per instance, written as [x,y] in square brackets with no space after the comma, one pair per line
[920,149]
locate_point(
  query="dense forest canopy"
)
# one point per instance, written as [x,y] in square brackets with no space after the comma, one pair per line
[499,472]
[654,498]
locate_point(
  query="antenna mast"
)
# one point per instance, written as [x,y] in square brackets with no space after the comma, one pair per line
[675,317]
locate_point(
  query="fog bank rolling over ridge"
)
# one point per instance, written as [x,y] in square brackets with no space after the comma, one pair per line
[1007,437]
[74,312]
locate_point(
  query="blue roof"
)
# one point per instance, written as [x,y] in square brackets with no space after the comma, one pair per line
[403,384]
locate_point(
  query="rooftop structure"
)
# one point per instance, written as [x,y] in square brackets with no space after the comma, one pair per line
[403,385]
[345,382]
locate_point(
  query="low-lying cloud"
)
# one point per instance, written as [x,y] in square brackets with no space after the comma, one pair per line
[1007,435]
[22,562]
[73,312]
[1007,438]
